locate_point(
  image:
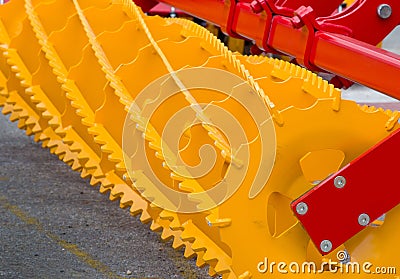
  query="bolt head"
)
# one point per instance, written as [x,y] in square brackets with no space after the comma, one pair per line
[256,7]
[384,11]
[325,246]
[301,208]
[297,22]
[339,181]
[363,219]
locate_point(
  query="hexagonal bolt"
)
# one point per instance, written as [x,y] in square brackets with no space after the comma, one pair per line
[301,208]
[339,181]
[384,11]
[325,246]
[363,219]
[256,7]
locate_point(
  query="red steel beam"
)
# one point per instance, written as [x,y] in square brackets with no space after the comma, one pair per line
[339,54]
[357,61]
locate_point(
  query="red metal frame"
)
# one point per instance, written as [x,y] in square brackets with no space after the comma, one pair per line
[369,189]
[322,39]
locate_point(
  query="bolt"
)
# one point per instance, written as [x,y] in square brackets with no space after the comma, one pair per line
[124,177]
[297,22]
[326,246]
[256,7]
[384,11]
[363,219]
[173,12]
[301,208]
[339,182]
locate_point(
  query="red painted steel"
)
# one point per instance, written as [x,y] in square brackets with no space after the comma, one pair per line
[165,10]
[362,20]
[361,62]
[333,212]
[321,8]
[146,5]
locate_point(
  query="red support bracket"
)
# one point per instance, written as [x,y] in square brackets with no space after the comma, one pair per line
[351,199]
[270,8]
[321,8]
[227,28]
[306,16]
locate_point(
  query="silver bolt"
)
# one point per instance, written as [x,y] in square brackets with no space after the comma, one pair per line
[363,219]
[326,246]
[124,177]
[339,182]
[173,12]
[301,208]
[384,11]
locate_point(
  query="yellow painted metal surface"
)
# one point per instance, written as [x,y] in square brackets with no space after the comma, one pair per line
[73,73]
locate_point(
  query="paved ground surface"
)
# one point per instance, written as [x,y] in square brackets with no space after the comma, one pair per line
[53,224]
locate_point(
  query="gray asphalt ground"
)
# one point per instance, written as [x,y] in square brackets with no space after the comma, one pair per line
[53,224]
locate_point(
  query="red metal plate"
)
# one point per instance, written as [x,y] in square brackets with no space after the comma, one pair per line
[332,213]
